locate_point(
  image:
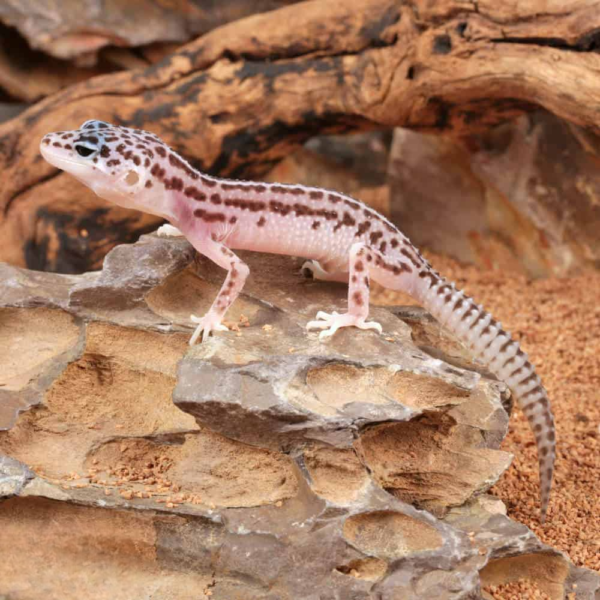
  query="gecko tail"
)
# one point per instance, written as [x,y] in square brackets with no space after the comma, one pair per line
[502,355]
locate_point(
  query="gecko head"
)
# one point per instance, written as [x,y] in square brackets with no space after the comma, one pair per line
[115,162]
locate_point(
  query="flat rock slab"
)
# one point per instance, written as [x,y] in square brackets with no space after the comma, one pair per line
[260,464]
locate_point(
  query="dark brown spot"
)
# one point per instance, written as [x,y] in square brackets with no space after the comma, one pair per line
[394,243]
[515,372]
[457,304]
[137,160]
[160,151]
[209,217]
[410,257]
[359,266]
[551,436]
[279,208]
[251,205]
[316,195]
[366,282]
[231,186]
[479,318]
[316,224]
[88,138]
[358,299]
[261,221]
[215,199]
[148,183]
[528,379]
[208,182]
[375,237]
[400,267]
[334,198]
[536,390]
[195,193]
[362,228]
[434,279]
[105,151]
[347,221]
[233,220]
[382,246]
[57,145]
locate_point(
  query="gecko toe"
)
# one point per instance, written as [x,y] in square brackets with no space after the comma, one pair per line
[206,324]
[372,325]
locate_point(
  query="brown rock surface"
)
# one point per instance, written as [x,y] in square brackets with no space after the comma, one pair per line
[265,467]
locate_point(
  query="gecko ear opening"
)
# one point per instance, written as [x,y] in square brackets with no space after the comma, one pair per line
[132,178]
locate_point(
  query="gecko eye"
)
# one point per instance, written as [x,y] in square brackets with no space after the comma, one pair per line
[84,150]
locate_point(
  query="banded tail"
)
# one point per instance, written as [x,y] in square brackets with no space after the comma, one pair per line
[504,358]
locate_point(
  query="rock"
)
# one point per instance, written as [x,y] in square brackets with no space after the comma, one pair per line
[261,464]
[512,553]
[506,199]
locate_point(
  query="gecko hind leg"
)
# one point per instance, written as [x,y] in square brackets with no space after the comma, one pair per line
[319,273]
[362,260]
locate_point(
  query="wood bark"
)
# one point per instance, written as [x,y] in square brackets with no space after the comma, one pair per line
[240,98]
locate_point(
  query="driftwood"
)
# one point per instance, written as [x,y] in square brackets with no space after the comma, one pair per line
[240,98]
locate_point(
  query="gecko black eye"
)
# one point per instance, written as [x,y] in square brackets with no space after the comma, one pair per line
[84,150]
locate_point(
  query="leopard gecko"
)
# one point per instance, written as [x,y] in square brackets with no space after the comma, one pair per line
[342,238]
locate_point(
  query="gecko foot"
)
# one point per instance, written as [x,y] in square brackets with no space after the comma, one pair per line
[209,322]
[330,323]
[313,269]
[168,231]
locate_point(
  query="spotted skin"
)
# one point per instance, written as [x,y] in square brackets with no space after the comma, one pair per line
[343,239]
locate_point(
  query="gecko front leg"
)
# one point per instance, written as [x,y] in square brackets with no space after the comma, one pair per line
[362,260]
[237,272]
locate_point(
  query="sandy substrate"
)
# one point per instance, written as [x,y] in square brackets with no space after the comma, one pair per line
[558,324]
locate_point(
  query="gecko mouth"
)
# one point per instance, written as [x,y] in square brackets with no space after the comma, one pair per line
[57,160]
